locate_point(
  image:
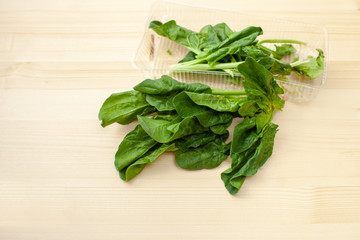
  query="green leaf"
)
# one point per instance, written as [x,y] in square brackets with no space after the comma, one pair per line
[166,84]
[162,102]
[247,159]
[185,107]
[207,117]
[267,62]
[223,31]
[282,50]
[275,66]
[209,35]
[124,107]
[188,57]
[244,140]
[243,38]
[260,85]
[188,38]
[220,128]
[196,140]
[311,67]
[211,118]
[252,51]
[261,154]
[279,67]
[136,167]
[262,119]
[207,156]
[216,102]
[244,136]
[167,130]
[233,44]
[263,57]
[135,144]
[248,108]
[234,186]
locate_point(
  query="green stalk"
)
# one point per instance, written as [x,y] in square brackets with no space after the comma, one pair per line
[227,92]
[265,49]
[189,63]
[204,66]
[299,62]
[282,41]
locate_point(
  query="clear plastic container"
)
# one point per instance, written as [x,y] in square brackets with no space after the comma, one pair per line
[156,54]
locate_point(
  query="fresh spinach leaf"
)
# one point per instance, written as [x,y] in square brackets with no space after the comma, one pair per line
[210,36]
[240,38]
[233,44]
[188,38]
[222,31]
[248,108]
[166,84]
[260,85]
[282,50]
[252,51]
[188,57]
[262,152]
[185,107]
[167,130]
[124,107]
[267,62]
[135,144]
[244,142]
[136,167]
[221,128]
[207,117]
[281,68]
[262,119]
[311,67]
[207,156]
[194,140]
[244,136]
[248,161]
[216,102]
[162,102]
[211,118]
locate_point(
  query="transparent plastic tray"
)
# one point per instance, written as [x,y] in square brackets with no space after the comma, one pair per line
[153,56]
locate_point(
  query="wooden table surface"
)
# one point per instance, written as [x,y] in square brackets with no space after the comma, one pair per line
[59,60]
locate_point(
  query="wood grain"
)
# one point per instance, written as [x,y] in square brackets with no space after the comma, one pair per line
[59,60]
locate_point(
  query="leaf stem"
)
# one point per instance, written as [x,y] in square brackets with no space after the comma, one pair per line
[299,62]
[265,49]
[282,41]
[205,67]
[188,63]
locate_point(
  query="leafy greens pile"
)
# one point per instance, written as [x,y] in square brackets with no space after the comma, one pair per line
[218,48]
[193,120]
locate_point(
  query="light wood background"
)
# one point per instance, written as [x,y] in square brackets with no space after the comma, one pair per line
[59,60]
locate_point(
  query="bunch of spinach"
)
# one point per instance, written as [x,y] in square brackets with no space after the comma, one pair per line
[218,48]
[193,120]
